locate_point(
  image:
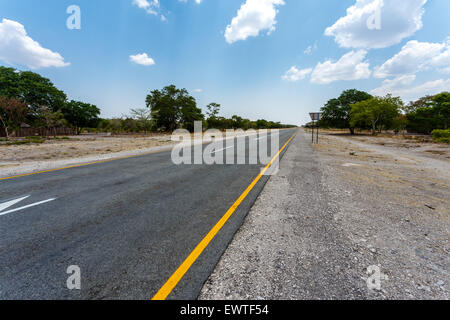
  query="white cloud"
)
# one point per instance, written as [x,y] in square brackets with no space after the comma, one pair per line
[198,90]
[391,86]
[154,7]
[308,51]
[445,70]
[442,60]
[253,17]
[416,56]
[196,1]
[350,66]
[294,74]
[401,87]
[142,59]
[398,19]
[17,48]
[150,6]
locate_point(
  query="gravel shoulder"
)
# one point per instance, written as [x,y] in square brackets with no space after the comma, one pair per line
[333,211]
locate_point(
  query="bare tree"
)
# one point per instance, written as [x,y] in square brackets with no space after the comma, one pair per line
[143,117]
[52,120]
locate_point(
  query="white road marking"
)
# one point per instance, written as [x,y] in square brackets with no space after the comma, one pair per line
[215,151]
[8,204]
[261,138]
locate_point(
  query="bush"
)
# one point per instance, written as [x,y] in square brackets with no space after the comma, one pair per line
[18,143]
[441,135]
[27,140]
[36,139]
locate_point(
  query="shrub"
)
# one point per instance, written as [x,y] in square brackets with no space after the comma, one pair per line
[441,135]
[36,139]
[18,143]
[27,140]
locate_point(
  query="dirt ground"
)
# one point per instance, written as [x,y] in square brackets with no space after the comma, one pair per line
[18,159]
[394,200]
[78,146]
[338,209]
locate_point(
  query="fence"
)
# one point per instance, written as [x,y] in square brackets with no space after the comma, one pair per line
[27,132]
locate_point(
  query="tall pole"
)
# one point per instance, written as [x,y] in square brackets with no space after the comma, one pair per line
[317,132]
[312,128]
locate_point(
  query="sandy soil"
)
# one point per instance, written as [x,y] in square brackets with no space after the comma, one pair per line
[393,196]
[338,208]
[79,146]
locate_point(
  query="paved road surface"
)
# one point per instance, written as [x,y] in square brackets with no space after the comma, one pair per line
[128,224]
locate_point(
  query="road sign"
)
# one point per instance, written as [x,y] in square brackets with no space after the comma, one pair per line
[316,116]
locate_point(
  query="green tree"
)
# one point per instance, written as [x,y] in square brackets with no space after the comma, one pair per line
[441,106]
[172,108]
[422,120]
[432,112]
[424,102]
[262,124]
[38,92]
[238,122]
[400,123]
[336,112]
[375,112]
[246,124]
[213,110]
[32,89]
[9,83]
[189,113]
[81,115]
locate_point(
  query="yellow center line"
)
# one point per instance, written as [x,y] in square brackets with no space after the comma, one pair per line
[168,287]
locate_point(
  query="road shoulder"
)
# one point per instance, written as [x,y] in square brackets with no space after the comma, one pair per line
[290,246]
[335,211]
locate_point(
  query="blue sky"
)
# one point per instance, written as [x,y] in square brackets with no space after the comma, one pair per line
[251,56]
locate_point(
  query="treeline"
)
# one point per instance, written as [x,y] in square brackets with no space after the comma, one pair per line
[172,108]
[27,98]
[355,109]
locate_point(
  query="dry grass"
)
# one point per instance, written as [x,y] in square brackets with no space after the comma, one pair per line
[79,146]
[400,172]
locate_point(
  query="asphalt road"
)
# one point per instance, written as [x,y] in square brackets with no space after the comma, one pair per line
[128,224]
